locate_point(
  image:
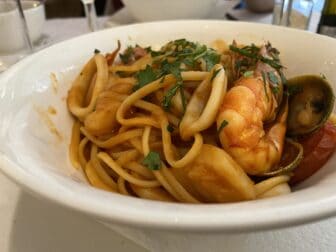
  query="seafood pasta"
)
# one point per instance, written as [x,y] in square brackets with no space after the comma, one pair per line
[189,123]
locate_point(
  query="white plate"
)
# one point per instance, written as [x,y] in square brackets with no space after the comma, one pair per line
[36,159]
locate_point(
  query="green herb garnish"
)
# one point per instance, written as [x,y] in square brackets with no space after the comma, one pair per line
[211,58]
[283,78]
[247,51]
[265,84]
[275,90]
[174,69]
[173,58]
[214,74]
[199,52]
[153,53]
[96,51]
[169,96]
[145,76]
[272,62]
[273,78]
[127,55]
[274,82]
[189,53]
[248,74]
[252,52]
[152,161]
[223,124]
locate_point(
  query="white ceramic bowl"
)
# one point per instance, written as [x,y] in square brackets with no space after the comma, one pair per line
[152,10]
[33,157]
[11,33]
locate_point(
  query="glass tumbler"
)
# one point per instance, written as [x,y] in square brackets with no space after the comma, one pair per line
[293,13]
[15,37]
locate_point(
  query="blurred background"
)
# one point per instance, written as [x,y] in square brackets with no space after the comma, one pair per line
[74,8]
[45,22]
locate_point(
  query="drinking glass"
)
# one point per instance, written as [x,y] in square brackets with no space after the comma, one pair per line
[90,13]
[15,42]
[293,13]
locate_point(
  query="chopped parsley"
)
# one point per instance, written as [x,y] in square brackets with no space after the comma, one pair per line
[248,74]
[169,96]
[152,161]
[153,53]
[173,58]
[174,69]
[127,55]
[273,78]
[214,74]
[252,52]
[265,84]
[96,51]
[283,78]
[223,124]
[145,76]
[247,51]
[183,55]
[249,57]
[275,90]
[211,58]
[274,81]
[189,53]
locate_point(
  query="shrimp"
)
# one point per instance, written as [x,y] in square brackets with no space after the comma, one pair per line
[251,122]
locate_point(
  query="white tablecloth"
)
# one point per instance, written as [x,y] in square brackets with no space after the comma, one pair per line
[28,224]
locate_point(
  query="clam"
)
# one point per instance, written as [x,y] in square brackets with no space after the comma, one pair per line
[290,159]
[310,104]
[311,101]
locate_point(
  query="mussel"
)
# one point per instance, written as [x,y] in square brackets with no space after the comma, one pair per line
[311,101]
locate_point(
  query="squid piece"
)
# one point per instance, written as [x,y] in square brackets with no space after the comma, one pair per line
[102,120]
[203,106]
[77,94]
[215,177]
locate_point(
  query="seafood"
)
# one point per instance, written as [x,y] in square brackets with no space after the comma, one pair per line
[193,124]
[311,104]
[107,105]
[246,108]
[215,177]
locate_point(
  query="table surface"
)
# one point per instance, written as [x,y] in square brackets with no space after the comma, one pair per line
[28,224]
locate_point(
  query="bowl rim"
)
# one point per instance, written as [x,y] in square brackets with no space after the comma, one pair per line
[167,215]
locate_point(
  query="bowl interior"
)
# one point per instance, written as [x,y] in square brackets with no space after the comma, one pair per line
[34,141]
